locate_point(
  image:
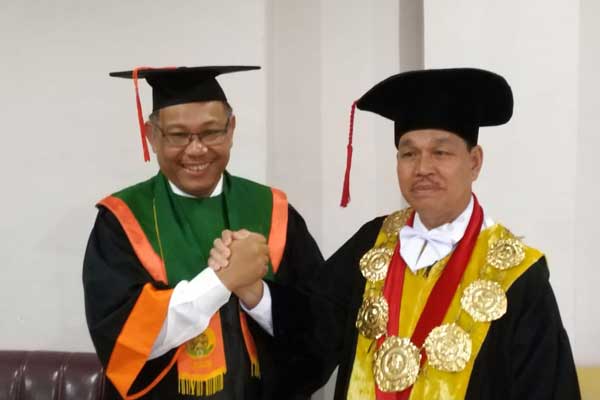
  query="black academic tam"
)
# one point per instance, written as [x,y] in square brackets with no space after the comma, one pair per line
[458,100]
[180,85]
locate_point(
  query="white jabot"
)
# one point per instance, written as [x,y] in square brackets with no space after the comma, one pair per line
[421,247]
[218,189]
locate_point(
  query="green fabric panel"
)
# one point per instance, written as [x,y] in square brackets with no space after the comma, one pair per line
[249,206]
[207,219]
[188,226]
[185,252]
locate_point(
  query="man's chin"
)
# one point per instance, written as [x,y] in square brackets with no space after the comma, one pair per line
[426,205]
[424,197]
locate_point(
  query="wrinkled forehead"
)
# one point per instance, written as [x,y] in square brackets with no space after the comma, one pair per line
[195,112]
[195,107]
[426,137]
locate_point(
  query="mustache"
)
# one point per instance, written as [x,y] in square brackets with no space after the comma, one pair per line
[426,183]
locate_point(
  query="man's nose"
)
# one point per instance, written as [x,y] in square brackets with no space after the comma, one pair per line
[424,165]
[195,145]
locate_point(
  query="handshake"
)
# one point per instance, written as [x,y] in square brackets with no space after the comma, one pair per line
[240,259]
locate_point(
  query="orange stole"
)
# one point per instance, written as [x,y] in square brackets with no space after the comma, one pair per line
[201,364]
[250,347]
[135,341]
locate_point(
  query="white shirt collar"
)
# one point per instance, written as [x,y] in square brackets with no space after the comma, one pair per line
[421,247]
[453,230]
[217,191]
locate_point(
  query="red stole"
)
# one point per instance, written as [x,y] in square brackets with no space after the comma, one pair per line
[440,297]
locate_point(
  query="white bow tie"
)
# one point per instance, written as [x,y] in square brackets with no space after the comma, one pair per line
[421,249]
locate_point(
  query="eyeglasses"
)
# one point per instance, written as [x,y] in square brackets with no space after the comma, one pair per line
[211,137]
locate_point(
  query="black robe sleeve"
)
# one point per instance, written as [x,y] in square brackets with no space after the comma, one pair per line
[312,321]
[113,279]
[301,260]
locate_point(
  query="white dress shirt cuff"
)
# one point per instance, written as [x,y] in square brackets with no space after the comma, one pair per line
[261,313]
[191,307]
[206,282]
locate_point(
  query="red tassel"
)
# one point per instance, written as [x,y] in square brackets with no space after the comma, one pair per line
[346,187]
[140,114]
[138,105]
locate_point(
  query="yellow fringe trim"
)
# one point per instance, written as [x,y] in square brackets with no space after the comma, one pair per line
[255,369]
[205,387]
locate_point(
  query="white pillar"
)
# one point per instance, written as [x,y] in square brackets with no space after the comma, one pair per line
[587,218]
[322,56]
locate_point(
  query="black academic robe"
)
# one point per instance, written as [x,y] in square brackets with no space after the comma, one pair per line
[525,355]
[112,275]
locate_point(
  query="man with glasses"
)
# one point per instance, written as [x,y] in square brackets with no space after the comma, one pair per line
[165,326]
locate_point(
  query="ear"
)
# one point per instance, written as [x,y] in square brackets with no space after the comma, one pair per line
[232,123]
[476,158]
[149,134]
[231,127]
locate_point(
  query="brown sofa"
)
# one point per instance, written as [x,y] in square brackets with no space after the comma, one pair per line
[41,375]
[37,375]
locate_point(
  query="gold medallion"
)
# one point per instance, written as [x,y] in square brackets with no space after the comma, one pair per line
[395,221]
[396,364]
[448,348]
[484,300]
[372,317]
[505,253]
[374,263]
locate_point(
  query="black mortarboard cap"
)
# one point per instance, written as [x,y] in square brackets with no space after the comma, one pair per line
[458,100]
[171,86]
[178,85]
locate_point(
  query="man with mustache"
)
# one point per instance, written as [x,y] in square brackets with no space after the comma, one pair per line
[165,326]
[435,301]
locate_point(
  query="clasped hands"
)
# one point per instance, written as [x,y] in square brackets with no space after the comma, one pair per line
[240,260]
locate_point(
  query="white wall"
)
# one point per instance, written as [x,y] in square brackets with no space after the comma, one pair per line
[362,45]
[322,56]
[70,135]
[294,107]
[587,193]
